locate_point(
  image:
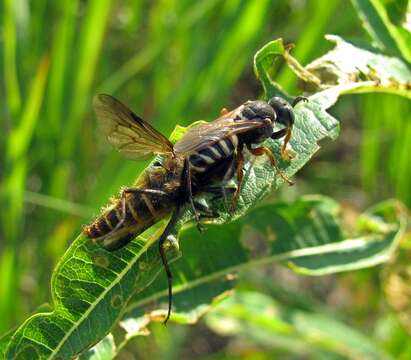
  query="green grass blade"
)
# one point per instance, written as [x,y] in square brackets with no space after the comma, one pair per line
[59,63]
[13,190]
[51,202]
[98,12]
[394,40]
[130,68]
[10,65]
[22,135]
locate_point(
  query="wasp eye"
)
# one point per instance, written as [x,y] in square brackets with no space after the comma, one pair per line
[283,110]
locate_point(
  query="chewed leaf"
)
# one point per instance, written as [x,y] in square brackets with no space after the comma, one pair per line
[357,70]
[305,234]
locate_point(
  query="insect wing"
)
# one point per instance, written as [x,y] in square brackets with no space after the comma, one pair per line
[207,134]
[131,135]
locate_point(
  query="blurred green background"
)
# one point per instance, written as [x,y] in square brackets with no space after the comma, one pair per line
[173,62]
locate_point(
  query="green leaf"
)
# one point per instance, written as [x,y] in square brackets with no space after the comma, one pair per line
[350,70]
[395,40]
[306,234]
[257,318]
[4,341]
[374,247]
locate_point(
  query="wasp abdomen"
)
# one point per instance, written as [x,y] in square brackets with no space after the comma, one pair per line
[115,228]
[203,159]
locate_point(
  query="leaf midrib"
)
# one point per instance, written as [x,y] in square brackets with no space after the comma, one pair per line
[103,294]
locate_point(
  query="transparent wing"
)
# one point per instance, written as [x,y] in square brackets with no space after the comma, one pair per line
[134,137]
[207,134]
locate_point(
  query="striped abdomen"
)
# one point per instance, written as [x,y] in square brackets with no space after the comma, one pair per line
[142,211]
[203,159]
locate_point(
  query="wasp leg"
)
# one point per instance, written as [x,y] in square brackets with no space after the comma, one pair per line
[285,154]
[161,241]
[278,135]
[126,191]
[218,191]
[188,186]
[266,151]
[240,175]
[159,193]
[205,211]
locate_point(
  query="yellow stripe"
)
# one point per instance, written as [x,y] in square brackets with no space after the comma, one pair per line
[108,222]
[149,205]
[133,213]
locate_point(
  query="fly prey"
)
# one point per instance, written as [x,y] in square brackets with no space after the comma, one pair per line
[203,161]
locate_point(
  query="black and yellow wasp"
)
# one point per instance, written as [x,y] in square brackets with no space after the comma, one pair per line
[202,162]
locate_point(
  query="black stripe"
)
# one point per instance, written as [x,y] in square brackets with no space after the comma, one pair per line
[197,161]
[112,218]
[207,152]
[219,149]
[102,225]
[229,144]
[140,208]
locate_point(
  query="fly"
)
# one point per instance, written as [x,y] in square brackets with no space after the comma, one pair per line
[202,161]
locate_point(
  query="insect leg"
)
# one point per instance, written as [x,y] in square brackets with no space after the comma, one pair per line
[159,193]
[206,211]
[287,132]
[119,224]
[123,199]
[163,238]
[240,175]
[218,191]
[188,185]
[266,151]
[134,191]
[284,153]
[279,134]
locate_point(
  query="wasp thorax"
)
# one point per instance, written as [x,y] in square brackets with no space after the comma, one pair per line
[258,109]
[283,110]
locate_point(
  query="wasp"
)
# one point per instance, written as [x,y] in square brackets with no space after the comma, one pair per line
[203,161]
